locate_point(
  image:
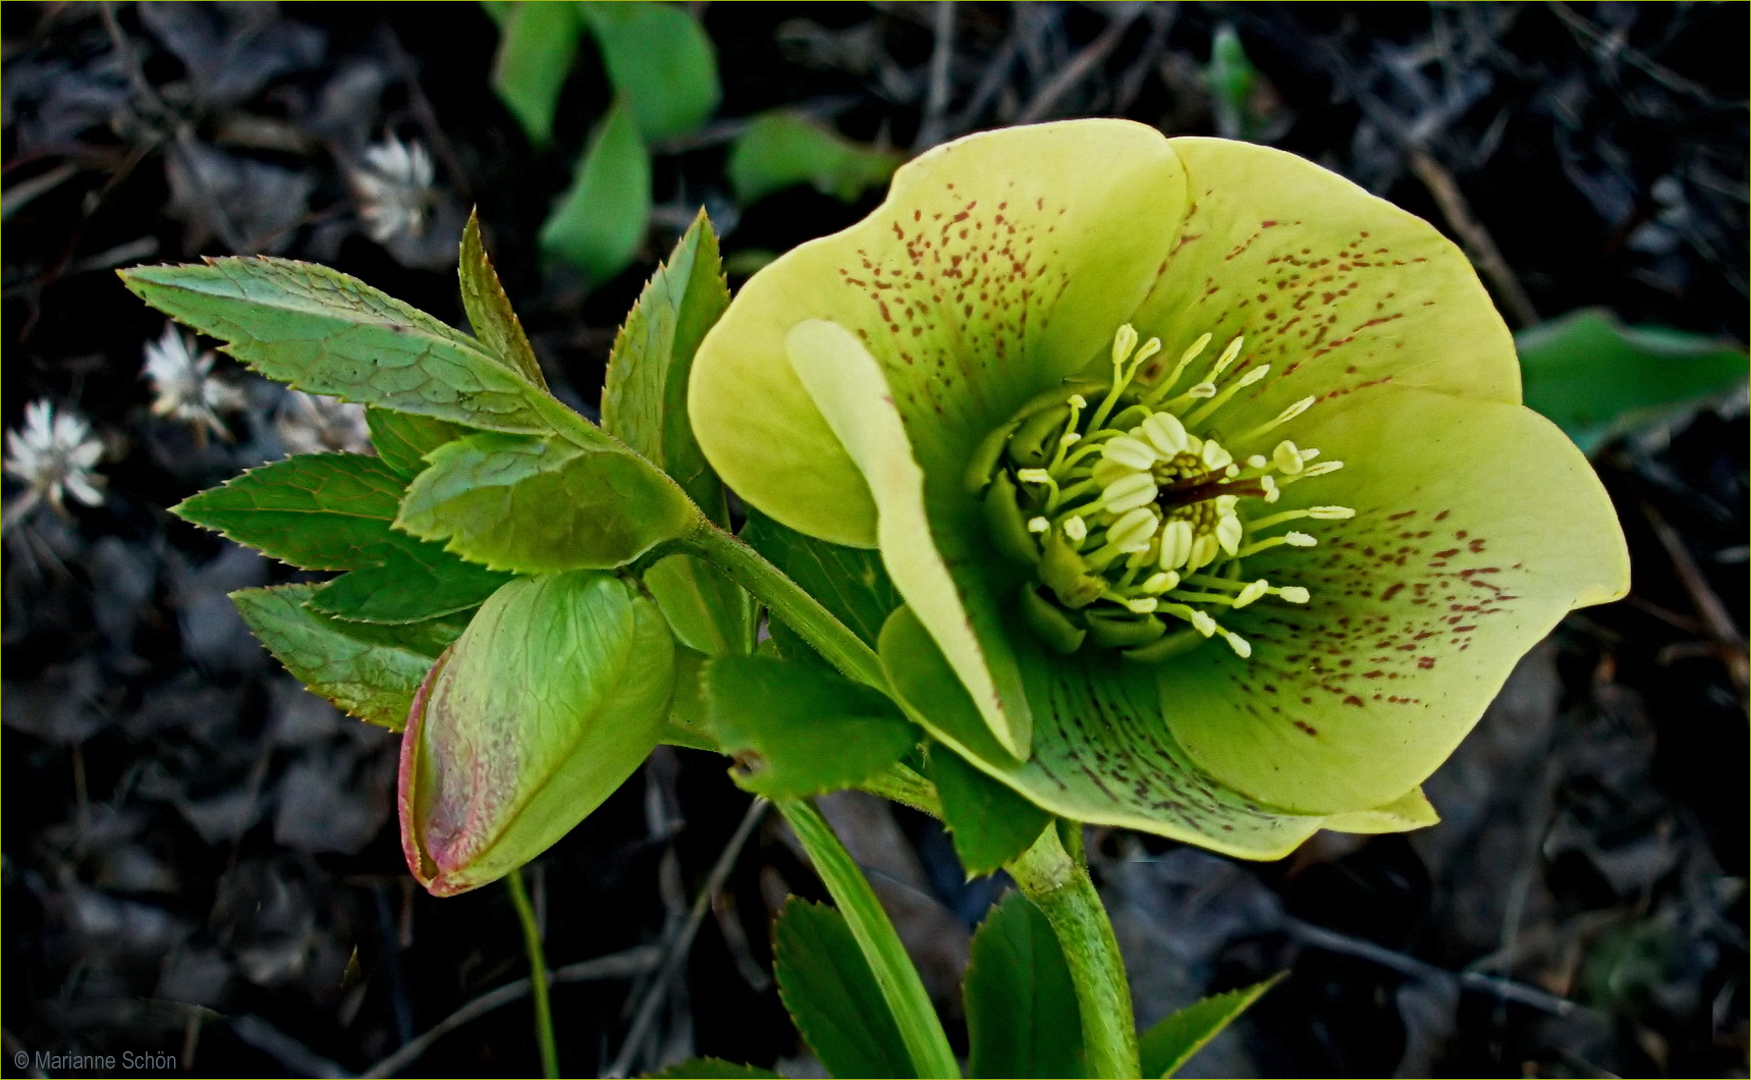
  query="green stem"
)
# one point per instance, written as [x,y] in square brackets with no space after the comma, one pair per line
[920,1028]
[1058,883]
[786,599]
[537,974]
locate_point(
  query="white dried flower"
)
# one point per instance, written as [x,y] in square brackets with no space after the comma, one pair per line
[393,186]
[184,385]
[309,424]
[53,456]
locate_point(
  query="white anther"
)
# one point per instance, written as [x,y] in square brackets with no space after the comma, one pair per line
[1257,461]
[1176,543]
[1254,375]
[1076,528]
[1033,476]
[1203,623]
[1242,648]
[1252,592]
[1143,605]
[1227,357]
[1202,390]
[1294,594]
[1225,504]
[1204,550]
[1133,531]
[1214,456]
[1229,533]
[1272,493]
[1287,458]
[1070,438]
[1299,539]
[1124,342]
[1164,432]
[1077,401]
[1158,583]
[1150,348]
[1330,513]
[1128,493]
[1130,451]
[1038,525]
[1323,468]
[1309,454]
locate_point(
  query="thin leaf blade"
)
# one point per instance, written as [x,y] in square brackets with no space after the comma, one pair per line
[538,43]
[1022,1016]
[780,150]
[1167,1046]
[599,223]
[989,823]
[831,994]
[660,61]
[489,310]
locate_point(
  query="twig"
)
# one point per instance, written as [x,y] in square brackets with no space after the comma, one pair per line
[989,83]
[1076,70]
[1506,989]
[931,128]
[1728,642]
[423,112]
[1476,238]
[537,974]
[618,965]
[677,949]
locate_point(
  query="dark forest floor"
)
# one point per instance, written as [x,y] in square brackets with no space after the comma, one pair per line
[200,858]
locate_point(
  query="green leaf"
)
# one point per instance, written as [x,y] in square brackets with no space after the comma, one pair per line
[710,1068]
[778,150]
[535,55]
[550,699]
[314,511]
[1167,1046]
[1598,378]
[849,582]
[415,582]
[796,730]
[644,403]
[489,309]
[403,439]
[1022,1016]
[660,62]
[326,333]
[989,823]
[689,724]
[598,225]
[370,672]
[543,505]
[920,1030]
[832,996]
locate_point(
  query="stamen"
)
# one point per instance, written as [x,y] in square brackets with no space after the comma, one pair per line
[1176,544]
[1293,539]
[1287,458]
[1252,592]
[1229,533]
[1192,352]
[1282,418]
[1132,532]
[1164,432]
[1160,582]
[1242,648]
[1269,483]
[1128,493]
[1294,594]
[1076,528]
[1227,393]
[1038,525]
[1227,357]
[1130,451]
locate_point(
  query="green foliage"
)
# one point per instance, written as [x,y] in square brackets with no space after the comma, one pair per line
[710,1068]
[496,326]
[660,61]
[535,55]
[555,693]
[1598,378]
[598,225]
[537,506]
[1167,1046]
[832,996]
[780,149]
[798,730]
[403,440]
[849,582]
[326,333]
[413,583]
[370,672]
[989,822]
[1022,1018]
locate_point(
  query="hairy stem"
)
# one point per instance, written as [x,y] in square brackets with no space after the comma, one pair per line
[537,974]
[1059,884]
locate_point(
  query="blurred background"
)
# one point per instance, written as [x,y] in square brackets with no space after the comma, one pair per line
[200,859]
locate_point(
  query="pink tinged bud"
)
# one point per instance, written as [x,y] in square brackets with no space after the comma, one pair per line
[553,696]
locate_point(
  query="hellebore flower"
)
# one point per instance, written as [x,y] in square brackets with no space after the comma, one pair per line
[1202,472]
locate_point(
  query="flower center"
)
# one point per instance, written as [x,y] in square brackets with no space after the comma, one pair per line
[1135,517]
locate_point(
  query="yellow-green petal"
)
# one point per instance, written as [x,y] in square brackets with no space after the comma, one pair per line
[998,264]
[1478,526]
[961,609]
[1334,288]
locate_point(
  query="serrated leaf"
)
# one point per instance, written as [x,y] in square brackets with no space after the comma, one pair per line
[323,332]
[989,822]
[537,44]
[920,1029]
[660,62]
[543,505]
[403,440]
[832,996]
[710,1068]
[849,582]
[1167,1046]
[780,150]
[707,610]
[554,694]
[1597,378]
[314,511]
[489,310]
[599,223]
[415,582]
[795,730]
[369,672]
[1022,1015]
